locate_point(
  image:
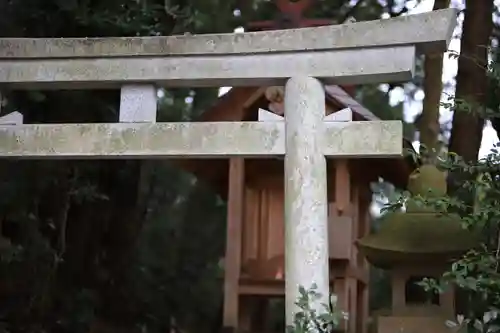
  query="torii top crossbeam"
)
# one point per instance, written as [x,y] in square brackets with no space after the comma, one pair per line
[364,52]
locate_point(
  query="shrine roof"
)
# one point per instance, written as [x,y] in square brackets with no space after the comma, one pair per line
[243,103]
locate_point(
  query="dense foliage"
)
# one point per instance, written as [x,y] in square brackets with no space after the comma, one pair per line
[475,275]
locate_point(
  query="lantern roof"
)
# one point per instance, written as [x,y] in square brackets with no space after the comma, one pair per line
[422,234]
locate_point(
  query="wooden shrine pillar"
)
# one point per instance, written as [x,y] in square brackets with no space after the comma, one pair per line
[232,264]
[341,212]
[364,220]
[348,220]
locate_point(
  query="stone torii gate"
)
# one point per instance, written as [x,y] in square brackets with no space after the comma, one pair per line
[365,52]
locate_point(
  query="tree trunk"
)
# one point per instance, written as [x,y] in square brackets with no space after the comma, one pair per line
[428,121]
[472,80]
[471,94]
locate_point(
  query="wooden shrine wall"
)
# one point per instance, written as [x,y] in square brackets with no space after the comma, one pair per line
[263,230]
[262,248]
[262,238]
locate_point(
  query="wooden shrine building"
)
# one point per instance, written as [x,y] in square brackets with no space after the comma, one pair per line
[254,189]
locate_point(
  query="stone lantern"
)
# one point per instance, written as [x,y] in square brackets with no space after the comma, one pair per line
[413,245]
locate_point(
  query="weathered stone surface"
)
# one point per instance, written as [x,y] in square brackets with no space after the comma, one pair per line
[434,324]
[353,66]
[306,206]
[363,139]
[191,140]
[429,32]
[138,103]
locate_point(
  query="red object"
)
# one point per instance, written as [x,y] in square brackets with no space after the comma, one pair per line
[293,12]
[292,16]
